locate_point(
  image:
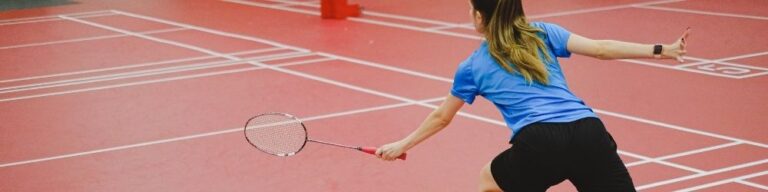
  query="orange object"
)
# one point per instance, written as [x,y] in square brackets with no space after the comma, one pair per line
[338,9]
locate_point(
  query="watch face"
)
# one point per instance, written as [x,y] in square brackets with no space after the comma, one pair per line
[657,49]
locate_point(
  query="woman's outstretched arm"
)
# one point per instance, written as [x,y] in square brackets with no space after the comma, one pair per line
[436,121]
[612,49]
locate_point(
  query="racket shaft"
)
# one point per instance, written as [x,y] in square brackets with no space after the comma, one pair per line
[332,144]
[369,150]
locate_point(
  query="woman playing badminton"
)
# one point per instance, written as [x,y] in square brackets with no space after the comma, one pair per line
[555,135]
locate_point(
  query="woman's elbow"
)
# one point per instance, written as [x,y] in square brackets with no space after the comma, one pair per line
[441,119]
[602,50]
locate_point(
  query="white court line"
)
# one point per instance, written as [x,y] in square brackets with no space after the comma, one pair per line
[583,11]
[362,20]
[208,134]
[387,67]
[689,177]
[686,153]
[743,56]
[243,37]
[118,74]
[120,67]
[754,75]
[88,39]
[56,19]
[154,81]
[151,72]
[53,16]
[439,28]
[448,25]
[108,69]
[722,61]
[374,13]
[755,185]
[156,39]
[607,8]
[722,182]
[702,12]
[662,162]
[679,128]
[679,69]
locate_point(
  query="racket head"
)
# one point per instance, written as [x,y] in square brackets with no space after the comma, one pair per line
[278,134]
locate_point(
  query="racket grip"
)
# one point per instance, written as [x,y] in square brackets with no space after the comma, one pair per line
[372,151]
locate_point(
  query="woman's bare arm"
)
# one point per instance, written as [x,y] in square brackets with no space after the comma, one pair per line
[612,49]
[436,121]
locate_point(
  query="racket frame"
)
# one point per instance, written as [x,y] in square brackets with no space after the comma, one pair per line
[369,150]
[294,118]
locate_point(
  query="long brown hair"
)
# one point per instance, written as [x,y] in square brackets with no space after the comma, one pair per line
[512,41]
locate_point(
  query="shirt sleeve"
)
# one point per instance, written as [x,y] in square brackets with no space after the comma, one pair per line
[558,38]
[464,84]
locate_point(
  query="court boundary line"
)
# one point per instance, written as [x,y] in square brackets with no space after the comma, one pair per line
[211,31]
[724,62]
[207,59]
[752,184]
[464,25]
[659,161]
[171,61]
[700,12]
[676,68]
[687,153]
[151,38]
[56,19]
[698,175]
[724,181]
[154,81]
[101,37]
[153,72]
[52,16]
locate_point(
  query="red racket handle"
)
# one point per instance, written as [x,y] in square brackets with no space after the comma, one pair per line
[372,151]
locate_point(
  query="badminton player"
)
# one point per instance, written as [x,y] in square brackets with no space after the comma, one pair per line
[555,135]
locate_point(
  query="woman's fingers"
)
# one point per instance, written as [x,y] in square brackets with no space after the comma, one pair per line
[379,151]
[387,152]
[680,54]
[685,34]
[684,38]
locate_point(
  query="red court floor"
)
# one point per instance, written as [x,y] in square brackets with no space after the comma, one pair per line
[151,95]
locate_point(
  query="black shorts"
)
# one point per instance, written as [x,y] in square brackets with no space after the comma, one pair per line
[545,154]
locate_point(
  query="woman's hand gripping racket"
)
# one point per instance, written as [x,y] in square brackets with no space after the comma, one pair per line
[283,135]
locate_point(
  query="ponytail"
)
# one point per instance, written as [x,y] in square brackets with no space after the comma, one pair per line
[512,41]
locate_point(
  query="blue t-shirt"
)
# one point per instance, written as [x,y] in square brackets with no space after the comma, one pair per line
[522,103]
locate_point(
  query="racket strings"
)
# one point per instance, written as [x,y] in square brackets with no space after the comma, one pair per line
[276,134]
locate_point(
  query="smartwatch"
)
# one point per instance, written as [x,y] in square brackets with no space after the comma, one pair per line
[657,51]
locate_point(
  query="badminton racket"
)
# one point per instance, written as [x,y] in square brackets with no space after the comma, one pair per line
[285,135]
